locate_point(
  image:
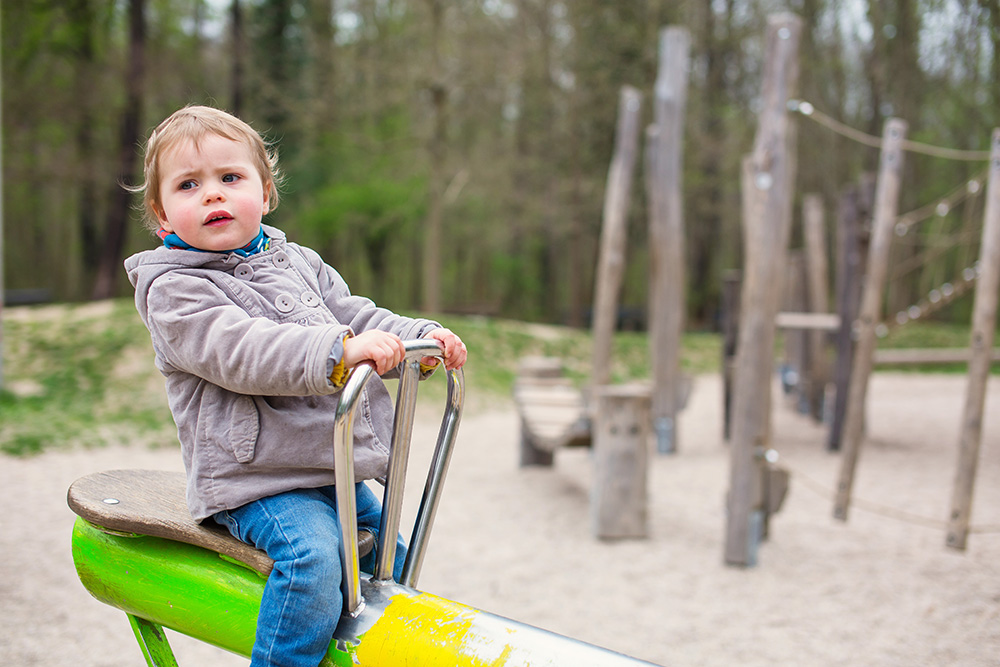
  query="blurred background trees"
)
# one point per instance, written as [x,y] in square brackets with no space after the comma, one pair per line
[472,135]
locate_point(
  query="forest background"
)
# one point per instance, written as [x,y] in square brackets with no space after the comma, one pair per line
[476,135]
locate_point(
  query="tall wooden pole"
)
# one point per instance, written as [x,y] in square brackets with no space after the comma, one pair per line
[984,319]
[611,263]
[666,235]
[818,285]
[2,297]
[766,189]
[886,205]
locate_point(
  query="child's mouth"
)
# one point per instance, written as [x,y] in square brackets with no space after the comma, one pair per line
[218,219]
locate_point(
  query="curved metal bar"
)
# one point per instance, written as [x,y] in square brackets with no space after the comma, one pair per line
[435,478]
[343,457]
[343,470]
[392,500]
[402,431]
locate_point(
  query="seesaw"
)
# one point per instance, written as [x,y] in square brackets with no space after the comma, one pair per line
[136,548]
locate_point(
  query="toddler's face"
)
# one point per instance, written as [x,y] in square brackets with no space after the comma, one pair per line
[211,195]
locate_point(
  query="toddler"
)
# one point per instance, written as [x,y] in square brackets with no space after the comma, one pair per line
[255,336]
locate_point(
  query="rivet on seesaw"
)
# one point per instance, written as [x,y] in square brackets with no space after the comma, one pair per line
[110,501]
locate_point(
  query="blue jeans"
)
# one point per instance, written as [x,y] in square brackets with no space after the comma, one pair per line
[302,599]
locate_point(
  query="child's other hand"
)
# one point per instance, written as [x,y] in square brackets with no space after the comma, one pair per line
[454,349]
[383,349]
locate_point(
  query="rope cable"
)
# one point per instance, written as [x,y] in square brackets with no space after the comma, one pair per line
[809,111]
[878,508]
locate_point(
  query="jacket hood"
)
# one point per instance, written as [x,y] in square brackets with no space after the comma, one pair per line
[145,267]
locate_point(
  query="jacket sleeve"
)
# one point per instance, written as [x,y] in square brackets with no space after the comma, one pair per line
[359,312]
[197,329]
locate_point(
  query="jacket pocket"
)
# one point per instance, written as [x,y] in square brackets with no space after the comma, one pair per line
[244,426]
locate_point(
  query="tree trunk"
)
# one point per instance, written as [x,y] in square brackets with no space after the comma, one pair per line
[431,302]
[236,19]
[109,264]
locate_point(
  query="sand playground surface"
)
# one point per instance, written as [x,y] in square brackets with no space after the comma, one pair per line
[879,589]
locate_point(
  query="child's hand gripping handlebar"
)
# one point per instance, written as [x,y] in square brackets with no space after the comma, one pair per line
[395,478]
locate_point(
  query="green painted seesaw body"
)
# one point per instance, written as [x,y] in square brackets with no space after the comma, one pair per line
[201,594]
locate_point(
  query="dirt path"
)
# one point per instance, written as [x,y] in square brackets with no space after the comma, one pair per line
[879,590]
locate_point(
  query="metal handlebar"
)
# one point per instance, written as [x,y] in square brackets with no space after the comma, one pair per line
[402,430]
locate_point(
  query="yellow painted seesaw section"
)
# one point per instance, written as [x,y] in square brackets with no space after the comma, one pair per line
[198,593]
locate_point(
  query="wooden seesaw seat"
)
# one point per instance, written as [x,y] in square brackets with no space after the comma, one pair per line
[152,502]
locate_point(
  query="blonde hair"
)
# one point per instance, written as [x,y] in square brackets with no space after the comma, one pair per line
[192,123]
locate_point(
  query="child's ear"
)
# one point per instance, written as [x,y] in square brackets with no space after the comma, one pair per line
[161,217]
[267,202]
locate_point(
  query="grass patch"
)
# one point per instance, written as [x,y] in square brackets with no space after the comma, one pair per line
[80,375]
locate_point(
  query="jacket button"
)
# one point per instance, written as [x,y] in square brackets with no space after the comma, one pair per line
[244,272]
[280,259]
[284,303]
[310,299]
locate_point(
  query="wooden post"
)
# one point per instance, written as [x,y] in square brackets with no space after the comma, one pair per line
[731,282]
[2,292]
[794,367]
[621,437]
[852,254]
[766,188]
[666,235]
[818,286]
[611,264]
[984,318]
[886,205]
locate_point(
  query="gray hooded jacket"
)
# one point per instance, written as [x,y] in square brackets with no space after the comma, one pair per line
[244,345]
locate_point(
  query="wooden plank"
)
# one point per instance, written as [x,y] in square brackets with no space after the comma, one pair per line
[984,319]
[666,234]
[611,261]
[815,321]
[152,502]
[766,191]
[553,412]
[886,205]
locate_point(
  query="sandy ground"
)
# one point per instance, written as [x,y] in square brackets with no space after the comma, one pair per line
[880,589]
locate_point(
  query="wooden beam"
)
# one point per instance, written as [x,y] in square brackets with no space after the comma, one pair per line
[766,191]
[886,205]
[853,213]
[611,263]
[818,288]
[937,355]
[666,234]
[814,321]
[984,319]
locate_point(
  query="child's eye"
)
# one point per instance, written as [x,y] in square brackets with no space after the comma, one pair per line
[230,178]
[186,185]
